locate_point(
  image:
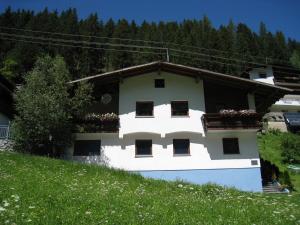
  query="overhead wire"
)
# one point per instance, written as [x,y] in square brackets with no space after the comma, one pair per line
[138,40]
[127,46]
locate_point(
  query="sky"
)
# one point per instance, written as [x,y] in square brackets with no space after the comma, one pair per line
[282,15]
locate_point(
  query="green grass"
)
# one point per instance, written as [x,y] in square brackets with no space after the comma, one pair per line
[270,148]
[37,190]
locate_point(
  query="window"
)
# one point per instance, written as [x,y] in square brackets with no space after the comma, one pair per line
[262,75]
[87,148]
[180,108]
[144,109]
[159,83]
[231,146]
[181,146]
[143,147]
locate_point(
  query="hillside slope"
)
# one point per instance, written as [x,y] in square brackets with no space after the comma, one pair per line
[36,190]
[271,148]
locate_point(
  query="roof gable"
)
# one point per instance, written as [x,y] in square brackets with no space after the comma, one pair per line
[265,94]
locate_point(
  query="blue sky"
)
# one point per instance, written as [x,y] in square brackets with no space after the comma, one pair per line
[281,15]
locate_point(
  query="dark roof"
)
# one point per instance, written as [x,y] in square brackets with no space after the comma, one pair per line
[287,78]
[264,92]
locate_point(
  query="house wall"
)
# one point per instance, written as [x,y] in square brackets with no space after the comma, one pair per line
[254,75]
[218,97]
[206,161]
[141,88]
[289,103]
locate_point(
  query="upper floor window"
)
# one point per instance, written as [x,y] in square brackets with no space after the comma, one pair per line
[231,146]
[143,147]
[144,108]
[87,147]
[181,146]
[159,83]
[262,75]
[180,108]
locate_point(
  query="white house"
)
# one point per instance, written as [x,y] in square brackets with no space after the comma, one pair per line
[284,114]
[163,120]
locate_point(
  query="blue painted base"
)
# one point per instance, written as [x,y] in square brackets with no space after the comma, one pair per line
[245,179]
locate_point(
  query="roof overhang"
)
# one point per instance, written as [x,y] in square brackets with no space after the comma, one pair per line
[269,92]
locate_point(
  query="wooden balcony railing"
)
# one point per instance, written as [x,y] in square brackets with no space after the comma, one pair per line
[4,131]
[98,123]
[217,121]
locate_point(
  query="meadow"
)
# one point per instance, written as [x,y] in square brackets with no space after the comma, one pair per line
[40,190]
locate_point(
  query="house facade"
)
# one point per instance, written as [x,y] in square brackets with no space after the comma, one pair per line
[173,122]
[284,114]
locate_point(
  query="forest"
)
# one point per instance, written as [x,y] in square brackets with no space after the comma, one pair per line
[90,46]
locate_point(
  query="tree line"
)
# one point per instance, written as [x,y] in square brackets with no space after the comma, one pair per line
[109,45]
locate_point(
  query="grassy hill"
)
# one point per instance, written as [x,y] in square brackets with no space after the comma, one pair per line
[271,148]
[36,190]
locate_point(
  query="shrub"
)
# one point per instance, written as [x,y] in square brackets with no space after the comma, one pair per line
[291,148]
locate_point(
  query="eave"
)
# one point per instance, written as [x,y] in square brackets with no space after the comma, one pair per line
[262,91]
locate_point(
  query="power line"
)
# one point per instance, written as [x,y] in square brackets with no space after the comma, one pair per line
[79,35]
[230,59]
[80,42]
[83,47]
[127,46]
[137,40]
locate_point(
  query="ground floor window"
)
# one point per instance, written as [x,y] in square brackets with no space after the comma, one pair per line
[181,146]
[231,146]
[87,147]
[143,147]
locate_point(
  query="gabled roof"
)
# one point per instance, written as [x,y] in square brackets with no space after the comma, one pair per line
[264,92]
[177,69]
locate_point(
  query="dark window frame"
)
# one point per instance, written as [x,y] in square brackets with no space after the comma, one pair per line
[173,110]
[188,149]
[227,146]
[136,148]
[143,102]
[159,83]
[83,153]
[262,75]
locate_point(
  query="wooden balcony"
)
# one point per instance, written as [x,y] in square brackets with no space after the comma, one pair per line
[95,123]
[218,121]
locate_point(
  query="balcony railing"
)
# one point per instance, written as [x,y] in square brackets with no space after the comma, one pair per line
[4,131]
[219,121]
[98,123]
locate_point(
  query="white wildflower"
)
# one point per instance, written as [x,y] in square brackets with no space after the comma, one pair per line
[88,212]
[5,204]
[180,185]
[31,207]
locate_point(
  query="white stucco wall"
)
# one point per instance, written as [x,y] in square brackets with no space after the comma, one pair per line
[289,103]
[206,149]
[205,152]
[4,120]
[141,88]
[254,75]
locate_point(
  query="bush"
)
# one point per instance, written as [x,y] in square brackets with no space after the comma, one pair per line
[291,148]
[45,109]
[285,180]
